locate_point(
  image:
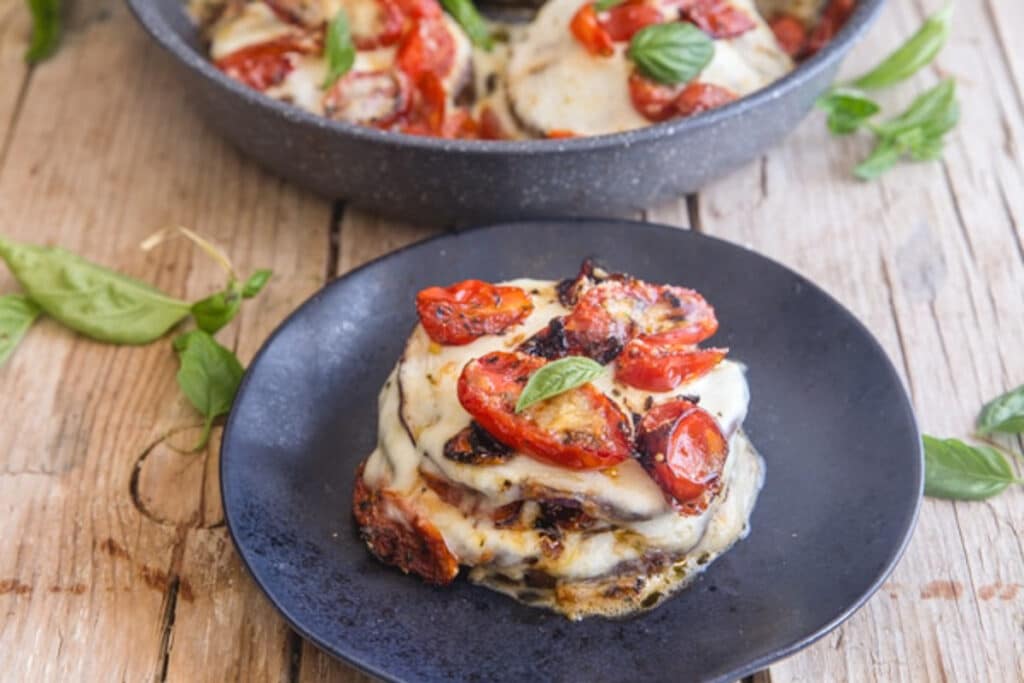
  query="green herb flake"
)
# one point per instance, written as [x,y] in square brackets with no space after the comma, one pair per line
[671,53]
[256,282]
[466,14]
[556,378]
[209,377]
[17,313]
[958,471]
[338,49]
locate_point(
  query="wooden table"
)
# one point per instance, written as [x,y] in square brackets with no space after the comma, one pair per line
[116,564]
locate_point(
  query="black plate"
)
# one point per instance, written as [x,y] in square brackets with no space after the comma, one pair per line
[828,413]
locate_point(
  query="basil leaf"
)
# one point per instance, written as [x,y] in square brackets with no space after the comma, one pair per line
[209,377]
[465,12]
[958,471]
[883,157]
[1002,414]
[256,282]
[847,110]
[46,28]
[935,111]
[217,310]
[909,58]
[605,5]
[671,53]
[16,315]
[557,377]
[91,299]
[338,48]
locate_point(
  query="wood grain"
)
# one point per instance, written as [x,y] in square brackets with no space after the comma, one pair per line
[118,565]
[98,584]
[929,259]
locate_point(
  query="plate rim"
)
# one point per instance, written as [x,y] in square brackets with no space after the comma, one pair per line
[737,673]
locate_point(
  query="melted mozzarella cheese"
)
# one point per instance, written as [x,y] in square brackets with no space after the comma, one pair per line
[420,411]
[554,83]
[254,24]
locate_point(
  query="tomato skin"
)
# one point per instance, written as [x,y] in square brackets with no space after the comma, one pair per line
[427,47]
[391,23]
[684,451]
[588,30]
[470,309]
[655,101]
[489,126]
[612,312]
[833,18]
[698,97]
[663,367]
[420,9]
[561,134]
[600,437]
[264,65]
[717,18]
[790,34]
[624,20]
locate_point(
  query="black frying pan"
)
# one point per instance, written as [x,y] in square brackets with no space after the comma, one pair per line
[434,180]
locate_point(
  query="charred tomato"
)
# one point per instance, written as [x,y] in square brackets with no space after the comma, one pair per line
[684,451]
[578,429]
[470,309]
[663,367]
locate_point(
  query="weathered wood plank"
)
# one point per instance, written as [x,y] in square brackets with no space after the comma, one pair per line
[928,259]
[14,38]
[99,584]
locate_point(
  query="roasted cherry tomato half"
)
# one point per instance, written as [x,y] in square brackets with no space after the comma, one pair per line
[684,451]
[717,18]
[427,47]
[656,102]
[489,127]
[833,18]
[420,9]
[663,367]
[623,20]
[429,103]
[264,65]
[697,97]
[470,309]
[610,313]
[579,429]
[588,30]
[370,98]
[790,34]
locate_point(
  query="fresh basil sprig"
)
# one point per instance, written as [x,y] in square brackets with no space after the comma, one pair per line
[958,471]
[46,29]
[671,53]
[466,14]
[209,377]
[557,377]
[338,49]
[1003,414]
[919,132]
[910,57]
[17,314]
[90,299]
